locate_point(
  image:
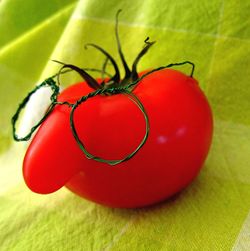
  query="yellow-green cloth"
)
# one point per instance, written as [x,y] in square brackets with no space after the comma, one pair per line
[213,213]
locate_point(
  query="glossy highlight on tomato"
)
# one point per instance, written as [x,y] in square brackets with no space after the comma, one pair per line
[180,135]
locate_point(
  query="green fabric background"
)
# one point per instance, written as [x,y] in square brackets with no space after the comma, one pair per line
[213,212]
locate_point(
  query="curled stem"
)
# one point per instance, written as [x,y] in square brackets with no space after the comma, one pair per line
[55,89]
[113,90]
[80,143]
[133,84]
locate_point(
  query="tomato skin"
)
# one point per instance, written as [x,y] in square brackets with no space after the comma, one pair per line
[181,128]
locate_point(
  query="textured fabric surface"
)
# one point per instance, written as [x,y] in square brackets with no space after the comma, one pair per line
[213,213]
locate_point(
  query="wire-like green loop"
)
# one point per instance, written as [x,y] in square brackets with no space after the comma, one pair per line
[48,82]
[112,90]
[135,99]
[134,83]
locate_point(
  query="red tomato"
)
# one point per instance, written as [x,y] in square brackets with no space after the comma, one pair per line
[111,127]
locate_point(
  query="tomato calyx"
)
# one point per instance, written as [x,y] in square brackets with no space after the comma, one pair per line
[114,81]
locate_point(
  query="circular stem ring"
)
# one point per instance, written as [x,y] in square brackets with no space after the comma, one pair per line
[55,89]
[136,100]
